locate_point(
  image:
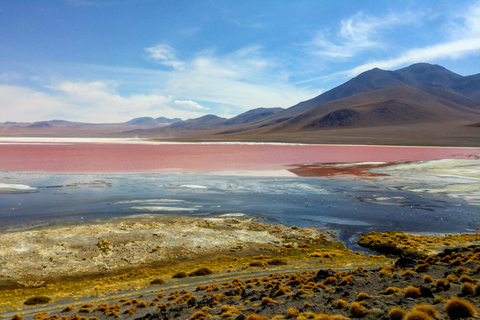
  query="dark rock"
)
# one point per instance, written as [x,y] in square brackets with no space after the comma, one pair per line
[426,292]
[241,317]
[405,262]
[323,274]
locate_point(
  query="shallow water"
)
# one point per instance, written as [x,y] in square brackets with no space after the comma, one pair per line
[348,206]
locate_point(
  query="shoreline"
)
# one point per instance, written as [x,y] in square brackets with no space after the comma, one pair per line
[162,142]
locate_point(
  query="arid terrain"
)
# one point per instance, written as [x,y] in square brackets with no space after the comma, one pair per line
[285,273]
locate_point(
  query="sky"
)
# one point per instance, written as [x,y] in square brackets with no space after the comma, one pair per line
[114,60]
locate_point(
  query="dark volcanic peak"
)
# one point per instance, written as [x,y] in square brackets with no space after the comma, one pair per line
[140,120]
[420,74]
[151,122]
[207,122]
[468,86]
[252,116]
[38,125]
[425,74]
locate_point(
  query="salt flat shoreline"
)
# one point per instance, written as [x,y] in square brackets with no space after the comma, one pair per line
[39,140]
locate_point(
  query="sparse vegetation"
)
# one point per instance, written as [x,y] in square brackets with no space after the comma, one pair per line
[200,272]
[37,300]
[396,313]
[457,308]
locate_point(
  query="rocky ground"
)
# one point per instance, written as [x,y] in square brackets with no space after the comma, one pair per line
[428,285]
[270,272]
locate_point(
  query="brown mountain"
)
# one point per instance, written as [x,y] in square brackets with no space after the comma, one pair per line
[422,104]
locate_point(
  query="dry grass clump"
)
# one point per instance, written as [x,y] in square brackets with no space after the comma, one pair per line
[461,270]
[276,262]
[256,317]
[131,311]
[228,311]
[357,310]
[17,316]
[465,278]
[200,272]
[330,280]
[341,304]
[37,300]
[477,289]
[451,278]
[346,280]
[467,288]
[267,300]
[422,267]
[457,308]
[363,296]
[427,279]
[388,270]
[438,299]
[417,315]
[157,281]
[68,309]
[392,290]
[292,312]
[396,313]
[199,315]
[412,292]
[283,290]
[441,283]
[428,309]
[180,274]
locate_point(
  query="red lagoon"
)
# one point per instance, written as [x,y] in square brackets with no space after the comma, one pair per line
[144,158]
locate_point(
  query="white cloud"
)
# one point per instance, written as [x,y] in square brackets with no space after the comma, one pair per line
[464,40]
[81,101]
[189,104]
[357,34]
[165,55]
[450,50]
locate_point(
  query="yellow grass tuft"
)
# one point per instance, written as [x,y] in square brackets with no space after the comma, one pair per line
[457,308]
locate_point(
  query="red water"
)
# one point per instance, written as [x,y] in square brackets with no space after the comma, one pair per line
[143,158]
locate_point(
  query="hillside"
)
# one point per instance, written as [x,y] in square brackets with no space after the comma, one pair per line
[420,104]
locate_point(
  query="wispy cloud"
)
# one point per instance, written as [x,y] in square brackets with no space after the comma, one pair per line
[189,104]
[165,55]
[83,101]
[464,40]
[356,34]
[461,38]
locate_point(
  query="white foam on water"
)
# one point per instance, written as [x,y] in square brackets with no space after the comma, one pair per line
[149,201]
[192,186]
[161,209]
[16,187]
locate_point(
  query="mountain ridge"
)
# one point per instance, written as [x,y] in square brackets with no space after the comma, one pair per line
[378,106]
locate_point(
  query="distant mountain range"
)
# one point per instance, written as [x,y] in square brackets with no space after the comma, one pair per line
[422,104]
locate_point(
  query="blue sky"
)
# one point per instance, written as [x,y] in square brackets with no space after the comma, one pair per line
[114,60]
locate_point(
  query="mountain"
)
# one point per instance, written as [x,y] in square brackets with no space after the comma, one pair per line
[406,106]
[151,122]
[79,129]
[422,104]
[211,122]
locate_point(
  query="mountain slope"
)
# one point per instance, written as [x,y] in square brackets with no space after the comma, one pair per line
[421,74]
[389,106]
